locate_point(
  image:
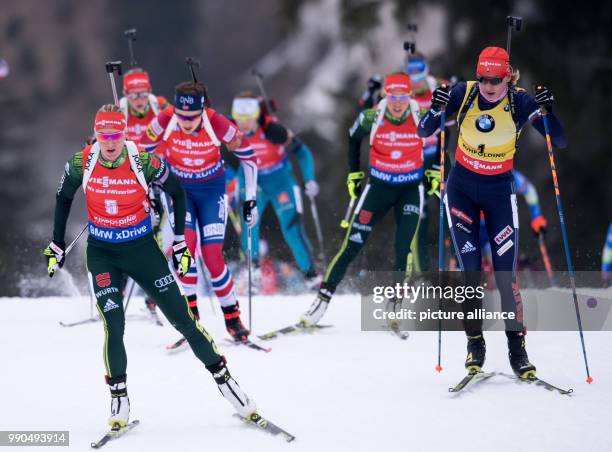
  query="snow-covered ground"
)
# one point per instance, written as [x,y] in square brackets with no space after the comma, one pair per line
[337,390]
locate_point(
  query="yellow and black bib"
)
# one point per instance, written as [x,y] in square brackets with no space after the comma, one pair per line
[487,138]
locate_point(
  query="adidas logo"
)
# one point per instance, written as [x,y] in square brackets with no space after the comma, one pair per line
[356,237]
[468,247]
[110,304]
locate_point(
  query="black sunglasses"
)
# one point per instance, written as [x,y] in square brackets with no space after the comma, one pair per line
[492,80]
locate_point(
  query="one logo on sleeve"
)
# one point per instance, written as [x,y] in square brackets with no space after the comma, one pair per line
[163,283]
[111,207]
[356,237]
[463,228]
[365,216]
[503,235]
[505,247]
[468,248]
[103,279]
[222,207]
[461,215]
[110,304]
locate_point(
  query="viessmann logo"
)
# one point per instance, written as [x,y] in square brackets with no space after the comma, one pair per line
[394,136]
[106,181]
[138,81]
[109,123]
[490,63]
[392,86]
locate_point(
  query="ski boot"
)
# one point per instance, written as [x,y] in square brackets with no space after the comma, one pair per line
[228,387]
[233,324]
[120,403]
[312,279]
[476,352]
[317,309]
[519,361]
[150,304]
[393,305]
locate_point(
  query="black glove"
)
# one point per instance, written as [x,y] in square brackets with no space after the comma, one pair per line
[374,83]
[249,212]
[55,255]
[181,257]
[440,98]
[544,98]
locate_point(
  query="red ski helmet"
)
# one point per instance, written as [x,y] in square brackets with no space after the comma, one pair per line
[136,79]
[493,62]
[397,81]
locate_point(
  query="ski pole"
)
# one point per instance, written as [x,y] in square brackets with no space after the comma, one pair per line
[127,293]
[191,63]
[410,45]
[249,263]
[568,256]
[347,216]
[315,216]
[441,230]
[76,239]
[131,37]
[68,248]
[259,79]
[546,259]
[111,67]
[515,22]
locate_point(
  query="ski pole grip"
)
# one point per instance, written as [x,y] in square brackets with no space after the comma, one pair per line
[514,21]
[112,66]
[409,46]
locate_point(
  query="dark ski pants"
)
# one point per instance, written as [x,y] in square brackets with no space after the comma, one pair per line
[142,260]
[376,199]
[468,193]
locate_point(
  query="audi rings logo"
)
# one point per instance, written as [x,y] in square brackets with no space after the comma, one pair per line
[165,281]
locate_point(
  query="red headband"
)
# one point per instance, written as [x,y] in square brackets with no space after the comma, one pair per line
[493,61]
[397,82]
[136,80]
[114,120]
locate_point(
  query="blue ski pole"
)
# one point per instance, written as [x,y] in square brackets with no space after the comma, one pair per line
[568,256]
[441,229]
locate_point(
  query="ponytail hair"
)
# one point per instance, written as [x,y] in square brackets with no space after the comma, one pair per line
[109,108]
[514,76]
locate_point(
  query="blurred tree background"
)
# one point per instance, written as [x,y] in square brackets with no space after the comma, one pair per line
[316,56]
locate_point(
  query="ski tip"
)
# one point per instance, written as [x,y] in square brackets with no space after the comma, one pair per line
[438,368]
[589,379]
